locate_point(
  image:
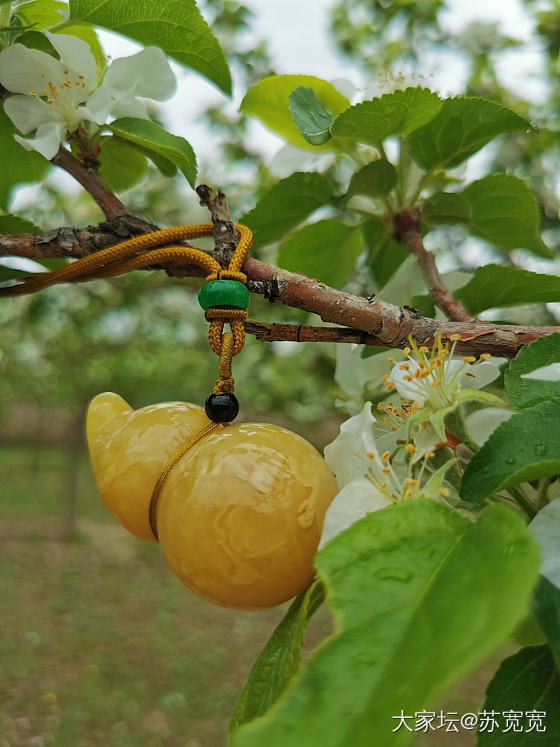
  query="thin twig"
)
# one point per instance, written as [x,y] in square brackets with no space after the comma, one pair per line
[307,333]
[90,180]
[406,226]
[225,236]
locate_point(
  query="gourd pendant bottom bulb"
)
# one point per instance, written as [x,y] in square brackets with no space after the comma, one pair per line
[240,514]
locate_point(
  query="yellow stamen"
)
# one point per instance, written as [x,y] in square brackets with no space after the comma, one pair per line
[485,356]
[390,386]
[371,455]
[429,455]
[406,352]
[424,349]
[404,367]
[385,456]
[411,448]
[469,359]
[444,492]
[436,382]
[455,337]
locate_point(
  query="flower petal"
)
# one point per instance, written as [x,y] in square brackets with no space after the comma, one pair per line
[148,71]
[357,499]
[24,70]
[75,54]
[481,423]
[415,389]
[107,102]
[29,113]
[350,454]
[47,139]
[353,372]
[482,373]
[544,373]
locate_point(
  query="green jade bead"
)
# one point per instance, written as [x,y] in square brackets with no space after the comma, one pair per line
[223,293]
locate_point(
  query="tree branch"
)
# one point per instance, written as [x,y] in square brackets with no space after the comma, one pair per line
[74,242]
[501,340]
[90,180]
[367,321]
[406,225]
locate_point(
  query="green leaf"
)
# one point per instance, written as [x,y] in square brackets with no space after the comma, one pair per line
[397,586]
[497,286]
[424,305]
[526,681]
[385,255]
[88,34]
[177,27]
[42,13]
[326,250]
[268,101]
[545,528]
[397,113]
[504,211]
[18,165]
[154,139]
[500,208]
[523,448]
[120,165]
[524,392]
[310,116]
[279,660]
[446,207]
[12,224]
[462,127]
[546,608]
[377,178]
[286,205]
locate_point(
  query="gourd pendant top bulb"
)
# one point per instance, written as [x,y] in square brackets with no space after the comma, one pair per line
[240,514]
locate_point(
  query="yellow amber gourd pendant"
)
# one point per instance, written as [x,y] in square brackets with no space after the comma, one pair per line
[240,513]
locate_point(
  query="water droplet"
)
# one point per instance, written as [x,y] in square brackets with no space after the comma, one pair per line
[511,460]
[396,574]
[364,658]
[541,449]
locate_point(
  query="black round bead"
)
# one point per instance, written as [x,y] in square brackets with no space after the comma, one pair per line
[221,408]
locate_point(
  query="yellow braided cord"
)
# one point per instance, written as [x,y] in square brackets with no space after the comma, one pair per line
[105,263]
[168,466]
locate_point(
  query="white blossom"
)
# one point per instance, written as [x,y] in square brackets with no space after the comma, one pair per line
[356,463]
[433,379]
[54,96]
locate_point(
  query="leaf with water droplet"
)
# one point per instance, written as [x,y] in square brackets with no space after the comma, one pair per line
[462,596]
[394,574]
[523,448]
